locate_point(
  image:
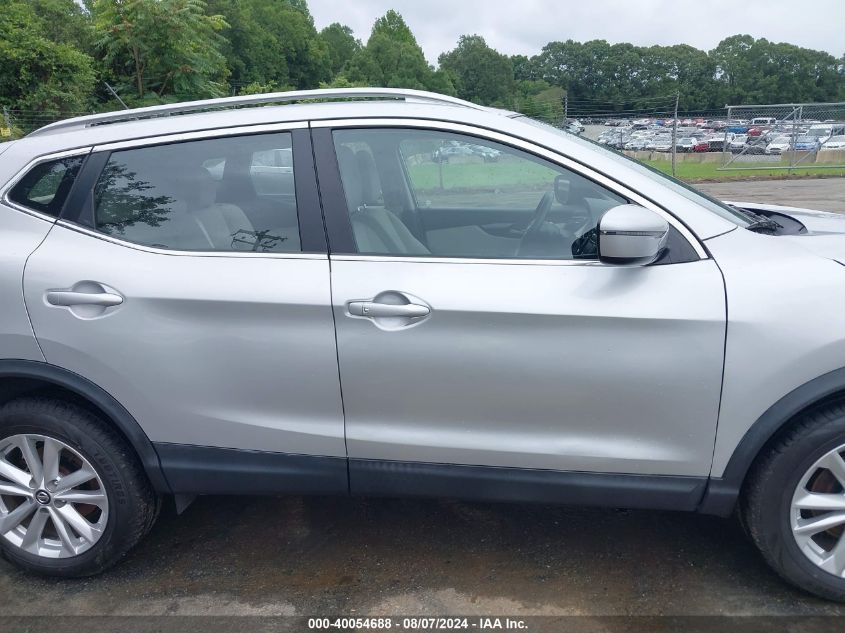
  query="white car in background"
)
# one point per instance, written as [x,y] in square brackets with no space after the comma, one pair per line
[834,143]
[778,146]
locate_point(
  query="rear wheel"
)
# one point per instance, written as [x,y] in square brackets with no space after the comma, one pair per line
[794,504]
[73,497]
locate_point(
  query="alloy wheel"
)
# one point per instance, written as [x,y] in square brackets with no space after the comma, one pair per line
[817,515]
[52,501]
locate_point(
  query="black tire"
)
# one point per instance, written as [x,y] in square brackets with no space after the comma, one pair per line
[767,497]
[133,505]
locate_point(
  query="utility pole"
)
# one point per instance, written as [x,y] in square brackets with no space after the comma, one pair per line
[675,133]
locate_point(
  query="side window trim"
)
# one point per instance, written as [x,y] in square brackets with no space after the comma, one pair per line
[328,170]
[78,212]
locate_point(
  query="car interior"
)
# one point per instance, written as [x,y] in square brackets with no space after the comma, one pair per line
[552,213]
[218,194]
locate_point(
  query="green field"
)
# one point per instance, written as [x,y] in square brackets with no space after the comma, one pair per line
[474,175]
[710,171]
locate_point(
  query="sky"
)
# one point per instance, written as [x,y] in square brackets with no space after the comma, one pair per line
[525,26]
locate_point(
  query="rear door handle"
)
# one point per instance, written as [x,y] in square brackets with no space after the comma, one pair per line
[377,310]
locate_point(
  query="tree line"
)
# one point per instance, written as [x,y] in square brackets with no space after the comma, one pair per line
[56,57]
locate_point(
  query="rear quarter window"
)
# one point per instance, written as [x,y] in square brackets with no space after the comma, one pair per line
[45,187]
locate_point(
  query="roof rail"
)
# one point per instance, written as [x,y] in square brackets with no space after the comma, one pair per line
[251,100]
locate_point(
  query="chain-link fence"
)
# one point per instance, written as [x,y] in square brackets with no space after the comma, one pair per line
[795,135]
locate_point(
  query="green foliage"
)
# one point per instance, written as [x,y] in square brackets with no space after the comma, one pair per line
[273,41]
[393,59]
[161,48]
[478,72]
[341,44]
[55,55]
[40,68]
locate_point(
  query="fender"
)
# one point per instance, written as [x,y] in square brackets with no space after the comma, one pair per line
[722,492]
[97,396]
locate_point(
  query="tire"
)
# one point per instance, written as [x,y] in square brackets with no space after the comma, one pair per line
[125,516]
[767,500]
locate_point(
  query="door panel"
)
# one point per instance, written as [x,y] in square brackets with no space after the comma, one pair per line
[211,350]
[568,367]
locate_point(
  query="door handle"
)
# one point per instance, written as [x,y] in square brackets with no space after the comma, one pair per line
[377,310]
[70,298]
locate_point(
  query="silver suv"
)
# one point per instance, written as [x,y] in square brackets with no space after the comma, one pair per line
[307,298]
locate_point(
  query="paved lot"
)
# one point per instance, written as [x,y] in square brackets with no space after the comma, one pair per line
[282,556]
[827,194]
[364,556]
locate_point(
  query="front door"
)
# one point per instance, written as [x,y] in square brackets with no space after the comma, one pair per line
[475,326]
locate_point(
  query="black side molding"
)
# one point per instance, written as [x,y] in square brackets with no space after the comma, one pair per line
[45,372]
[488,483]
[723,492]
[228,471]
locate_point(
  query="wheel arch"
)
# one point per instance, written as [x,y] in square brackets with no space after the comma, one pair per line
[22,377]
[722,492]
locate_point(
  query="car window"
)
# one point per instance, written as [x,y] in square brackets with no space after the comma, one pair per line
[424,192]
[227,194]
[46,186]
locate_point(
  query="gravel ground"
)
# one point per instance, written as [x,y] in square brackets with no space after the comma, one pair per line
[827,194]
[292,555]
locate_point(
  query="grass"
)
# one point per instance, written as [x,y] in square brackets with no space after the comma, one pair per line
[694,172]
[515,182]
[473,175]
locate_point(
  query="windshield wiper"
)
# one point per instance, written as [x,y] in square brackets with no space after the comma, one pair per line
[764,225]
[758,222]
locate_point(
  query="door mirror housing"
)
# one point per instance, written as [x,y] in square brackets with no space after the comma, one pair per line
[631,235]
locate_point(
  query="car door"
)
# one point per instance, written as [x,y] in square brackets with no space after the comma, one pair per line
[537,357]
[192,284]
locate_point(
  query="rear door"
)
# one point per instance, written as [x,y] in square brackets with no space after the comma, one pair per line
[476,327]
[190,281]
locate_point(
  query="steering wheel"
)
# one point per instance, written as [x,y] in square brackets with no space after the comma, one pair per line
[540,214]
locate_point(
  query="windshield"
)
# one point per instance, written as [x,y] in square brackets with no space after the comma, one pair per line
[677,186]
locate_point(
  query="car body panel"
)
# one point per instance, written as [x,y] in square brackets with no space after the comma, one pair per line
[206,349]
[567,367]
[781,333]
[21,234]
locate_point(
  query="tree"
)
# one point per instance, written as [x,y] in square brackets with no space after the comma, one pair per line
[393,59]
[479,73]
[273,41]
[342,45]
[162,48]
[40,70]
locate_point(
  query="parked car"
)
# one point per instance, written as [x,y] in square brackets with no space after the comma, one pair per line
[806,144]
[834,142]
[779,145]
[636,144]
[701,146]
[737,143]
[663,144]
[686,144]
[163,333]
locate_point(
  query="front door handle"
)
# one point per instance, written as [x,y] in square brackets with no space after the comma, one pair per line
[377,310]
[70,298]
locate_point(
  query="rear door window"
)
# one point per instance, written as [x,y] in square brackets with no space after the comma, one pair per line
[205,195]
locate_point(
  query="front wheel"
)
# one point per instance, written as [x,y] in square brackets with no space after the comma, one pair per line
[794,503]
[73,497]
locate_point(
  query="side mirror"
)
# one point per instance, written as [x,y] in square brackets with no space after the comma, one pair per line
[631,235]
